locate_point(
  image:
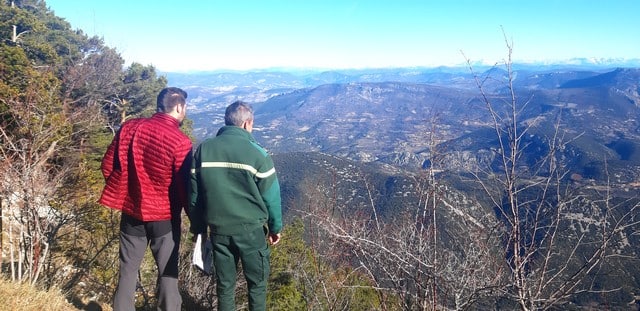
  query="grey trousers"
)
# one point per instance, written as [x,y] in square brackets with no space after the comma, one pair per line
[165,252]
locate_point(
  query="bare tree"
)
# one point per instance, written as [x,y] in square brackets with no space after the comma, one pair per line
[45,183]
[431,253]
[549,264]
[33,136]
[443,251]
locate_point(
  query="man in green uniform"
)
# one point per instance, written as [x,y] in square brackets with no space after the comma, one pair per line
[235,192]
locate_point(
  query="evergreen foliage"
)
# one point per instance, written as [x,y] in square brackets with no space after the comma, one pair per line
[63,96]
[291,256]
[303,279]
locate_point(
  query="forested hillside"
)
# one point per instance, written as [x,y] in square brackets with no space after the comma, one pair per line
[63,94]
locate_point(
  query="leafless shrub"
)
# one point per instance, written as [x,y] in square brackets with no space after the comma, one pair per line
[549,261]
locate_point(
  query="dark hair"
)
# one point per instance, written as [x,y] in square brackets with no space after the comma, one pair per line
[170,97]
[237,113]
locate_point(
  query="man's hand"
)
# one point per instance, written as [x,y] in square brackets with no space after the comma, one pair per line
[274,238]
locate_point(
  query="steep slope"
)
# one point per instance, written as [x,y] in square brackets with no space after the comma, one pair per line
[386,122]
[398,123]
[361,147]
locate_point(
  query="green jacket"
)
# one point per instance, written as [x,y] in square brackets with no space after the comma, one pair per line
[234,187]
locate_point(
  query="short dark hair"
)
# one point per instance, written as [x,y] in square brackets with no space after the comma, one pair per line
[170,97]
[237,113]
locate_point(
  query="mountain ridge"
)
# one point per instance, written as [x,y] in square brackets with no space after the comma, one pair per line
[363,144]
[391,122]
[576,63]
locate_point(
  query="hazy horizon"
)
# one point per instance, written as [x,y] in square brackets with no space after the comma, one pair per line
[180,36]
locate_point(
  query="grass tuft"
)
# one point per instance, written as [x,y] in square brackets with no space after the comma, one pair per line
[25,297]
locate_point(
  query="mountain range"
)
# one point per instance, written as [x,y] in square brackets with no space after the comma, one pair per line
[368,137]
[402,116]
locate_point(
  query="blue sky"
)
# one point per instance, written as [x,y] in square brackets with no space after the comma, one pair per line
[188,35]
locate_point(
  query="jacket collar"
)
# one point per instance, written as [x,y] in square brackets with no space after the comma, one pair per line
[234,130]
[165,118]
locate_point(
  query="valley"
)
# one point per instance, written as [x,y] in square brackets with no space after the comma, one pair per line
[423,116]
[376,144]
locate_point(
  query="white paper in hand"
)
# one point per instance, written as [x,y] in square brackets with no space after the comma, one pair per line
[203,254]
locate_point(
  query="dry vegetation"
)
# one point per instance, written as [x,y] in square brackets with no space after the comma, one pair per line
[16,296]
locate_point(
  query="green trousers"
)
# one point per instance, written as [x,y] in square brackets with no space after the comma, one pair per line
[252,250]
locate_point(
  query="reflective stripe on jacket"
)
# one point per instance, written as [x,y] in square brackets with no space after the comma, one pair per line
[234,185]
